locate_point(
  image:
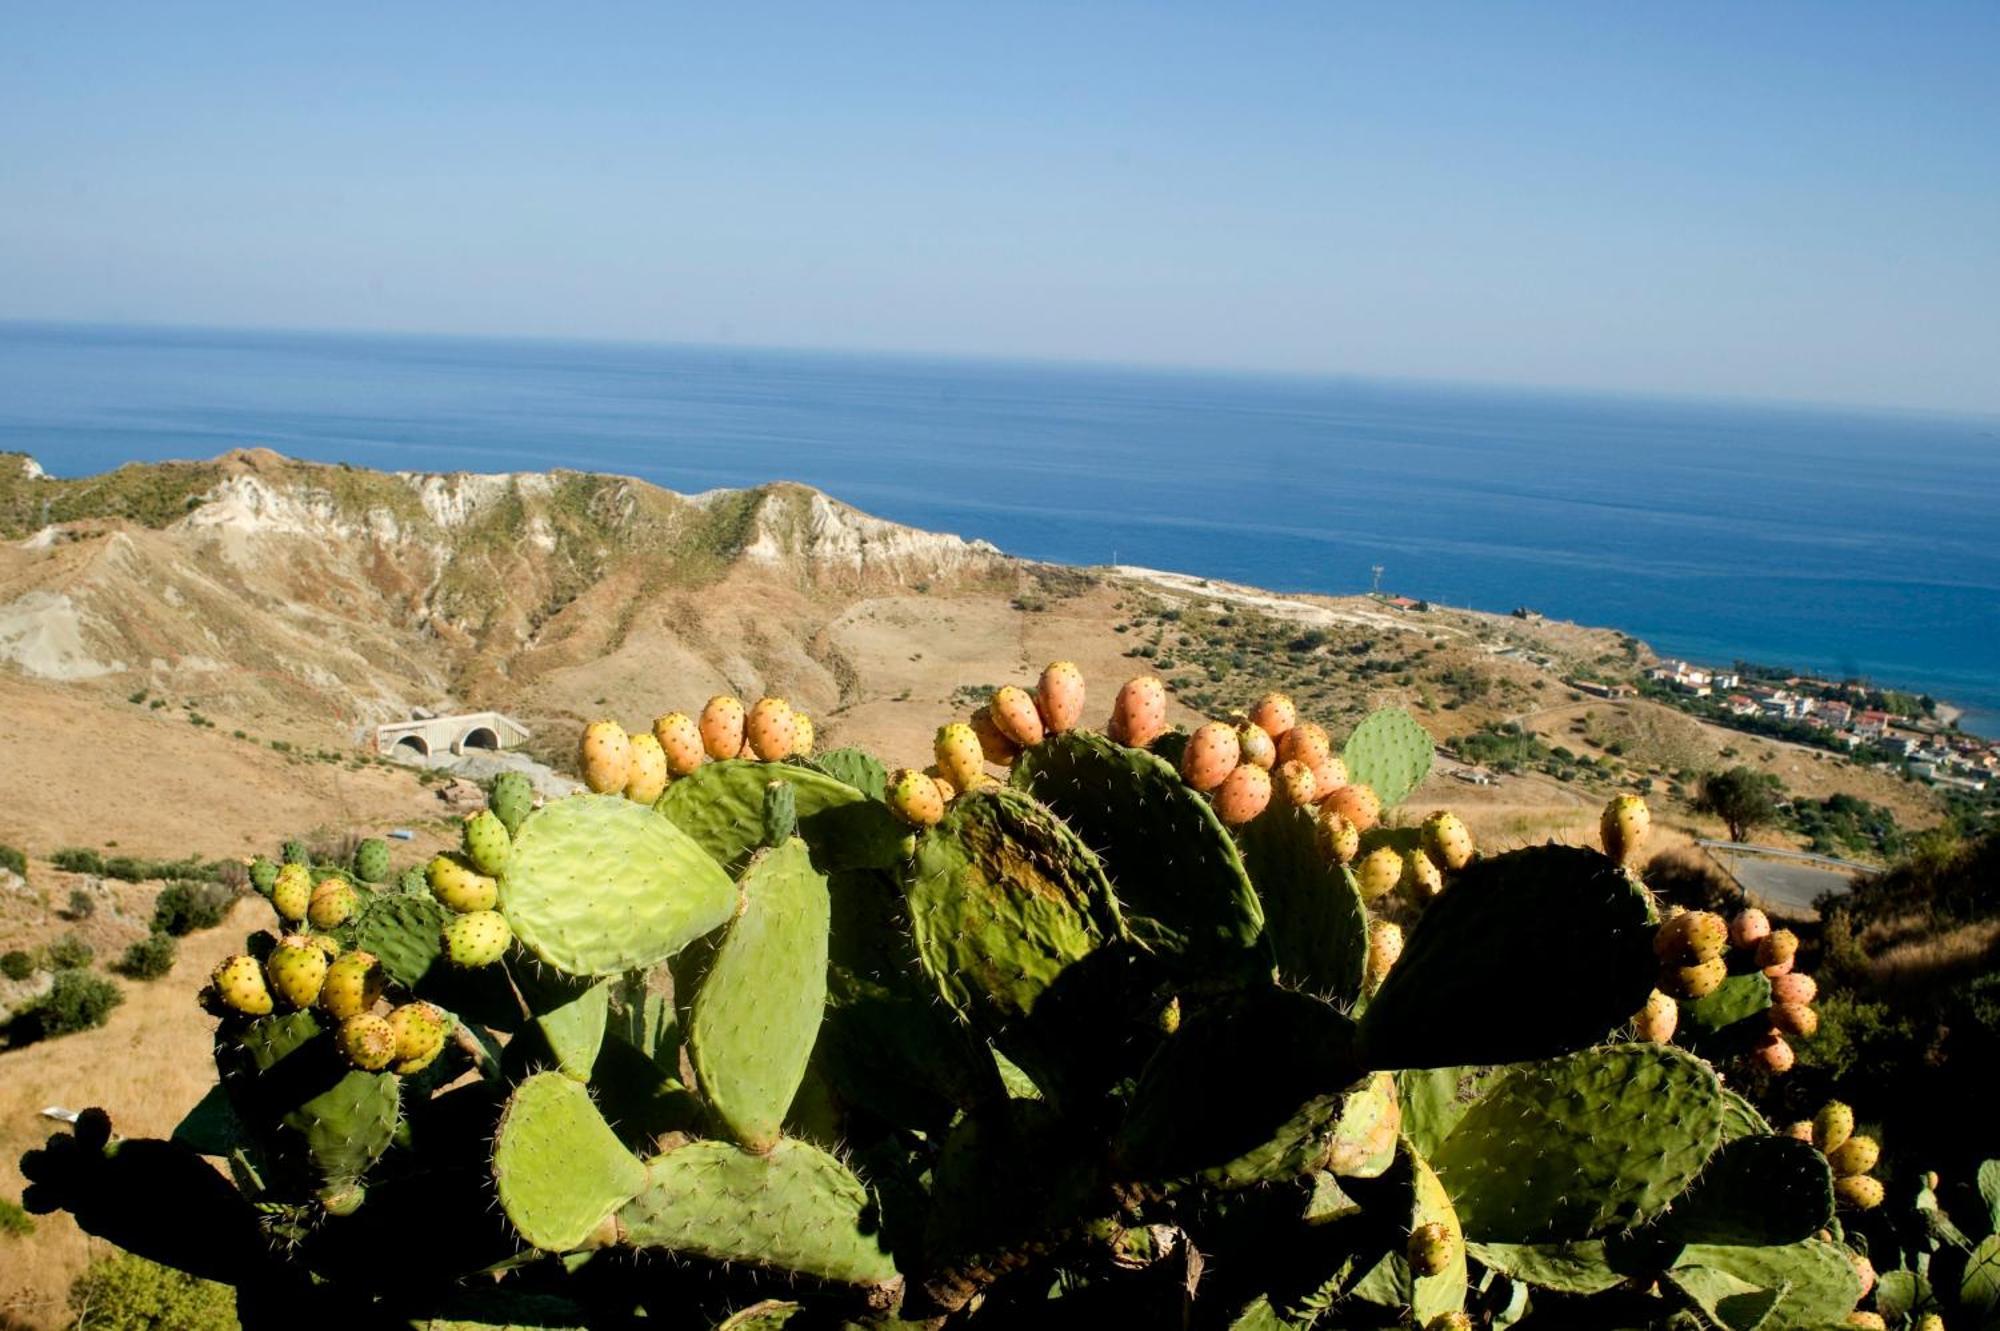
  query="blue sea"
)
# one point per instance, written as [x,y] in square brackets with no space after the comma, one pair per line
[1842,541]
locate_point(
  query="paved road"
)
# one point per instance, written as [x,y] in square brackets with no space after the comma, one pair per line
[1783,884]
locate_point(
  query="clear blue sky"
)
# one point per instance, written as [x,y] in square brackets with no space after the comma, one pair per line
[1765,199]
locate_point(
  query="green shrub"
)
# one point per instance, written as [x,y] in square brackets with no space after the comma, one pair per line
[82,904]
[70,953]
[11,858]
[14,1222]
[75,859]
[77,1001]
[148,959]
[182,908]
[17,965]
[128,1293]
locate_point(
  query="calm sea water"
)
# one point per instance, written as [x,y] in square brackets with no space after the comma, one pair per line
[1861,543]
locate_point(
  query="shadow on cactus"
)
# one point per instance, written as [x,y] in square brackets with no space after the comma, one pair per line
[1135,1028]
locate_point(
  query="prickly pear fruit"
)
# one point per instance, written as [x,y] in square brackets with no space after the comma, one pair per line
[295,852]
[414,881]
[1274,714]
[1297,787]
[1832,1126]
[604,756]
[1794,1019]
[1774,1053]
[354,980]
[1139,713]
[803,734]
[332,904]
[1455,1320]
[1430,1249]
[511,796]
[1341,838]
[1794,987]
[371,861]
[1256,746]
[646,779]
[680,739]
[771,730]
[1385,944]
[1059,695]
[1868,1321]
[295,970]
[460,887]
[1776,953]
[1212,753]
[1750,927]
[1422,882]
[1856,1155]
[1801,1130]
[1930,1322]
[721,727]
[1013,711]
[263,875]
[1378,872]
[1657,1020]
[946,791]
[1694,981]
[1307,743]
[1355,802]
[1243,794]
[995,747]
[1447,841]
[291,893]
[486,842]
[420,1030]
[367,1041]
[913,797]
[1690,937]
[959,759]
[1331,774]
[1862,1192]
[1864,1270]
[479,938]
[1623,827]
[239,983]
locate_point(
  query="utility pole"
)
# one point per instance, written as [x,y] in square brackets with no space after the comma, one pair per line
[1378,581]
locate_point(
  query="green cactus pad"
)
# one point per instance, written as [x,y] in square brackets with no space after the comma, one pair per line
[1741,1119]
[1251,1090]
[1756,1190]
[348,1126]
[574,1029]
[404,933]
[854,767]
[1582,1146]
[1313,913]
[1529,954]
[795,1208]
[1431,1296]
[766,1316]
[1816,1283]
[721,805]
[758,1010]
[1435,1099]
[560,1170]
[1389,753]
[289,1088]
[597,885]
[1737,998]
[1002,899]
[1729,1303]
[1576,1267]
[211,1127]
[1179,878]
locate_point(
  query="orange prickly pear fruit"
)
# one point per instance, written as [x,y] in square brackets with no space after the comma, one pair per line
[1357,803]
[605,757]
[1749,928]
[1243,794]
[722,727]
[994,746]
[680,740]
[1212,753]
[1656,1021]
[646,779]
[1306,742]
[914,798]
[1275,715]
[1012,710]
[1139,715]
[771,730]
[1059,694]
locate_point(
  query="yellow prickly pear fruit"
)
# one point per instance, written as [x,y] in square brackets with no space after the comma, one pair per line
[1257,746]
[291,894]
[460,887]
[1358,804]
[420,1030]
[331,905]
[1657,1020]
[1275,715]
[1856,1155]
[1059,695]
[1697,980]
[605,757]
[913,797]
[1243,795]
[1930,1322]
[995,747]
[1623,827]
[802,731]
[646,776]
[1139,713]
[1431,1249]
[1422,882]
[1691,937]
[946,791]
[1385,944]
[1859,1191]
[958,755]
[295,970]
[1832,1126]
[771,730]
[477,938]
[722,727]
[239,983]
[367,1041]
[1447,841]
[1801,1130]
[1341,838]
[1212,753]
[680,740]
[328,944]
[1014,714]
[1378,872]
[1777,952]
[1455,1320]
[1870,1321]
[1297,787]
[353,984]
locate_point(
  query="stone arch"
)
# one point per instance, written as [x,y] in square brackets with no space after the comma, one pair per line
[416,743]
[479,737]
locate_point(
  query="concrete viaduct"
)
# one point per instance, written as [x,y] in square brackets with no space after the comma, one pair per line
[428,736]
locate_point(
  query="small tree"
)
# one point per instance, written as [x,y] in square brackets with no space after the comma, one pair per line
[82,905]
[70,953]
[148,959]
[76,1001]
[1742,797]
[16,964]
[127,1293]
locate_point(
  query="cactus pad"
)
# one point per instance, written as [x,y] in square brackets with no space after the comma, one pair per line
[1579,1266]
[1179,878]
[560,1169]
[1756,1190]
[758,1010]
[1389,753]
[854,767]
[403,933]
[1740,1118]
[795,1208]
[721,805]
[574,1029]
[1815,1283]
[1313,913]
[1737,998]
[1529,954]
[596,885]
[1582,1146]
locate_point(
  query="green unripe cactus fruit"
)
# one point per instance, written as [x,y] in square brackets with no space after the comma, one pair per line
[367,1041]
[414,881]
[420,1031]
[263,875]
[1856,1155]
[354,982]
[295,852]
[486,842]
[291,893]
[239,983]
[511,798]
[1430,1249]
[460,887]
[295,970]
[1832,1126]
[332,904]
[371,861]
[478,938]
[781,813]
